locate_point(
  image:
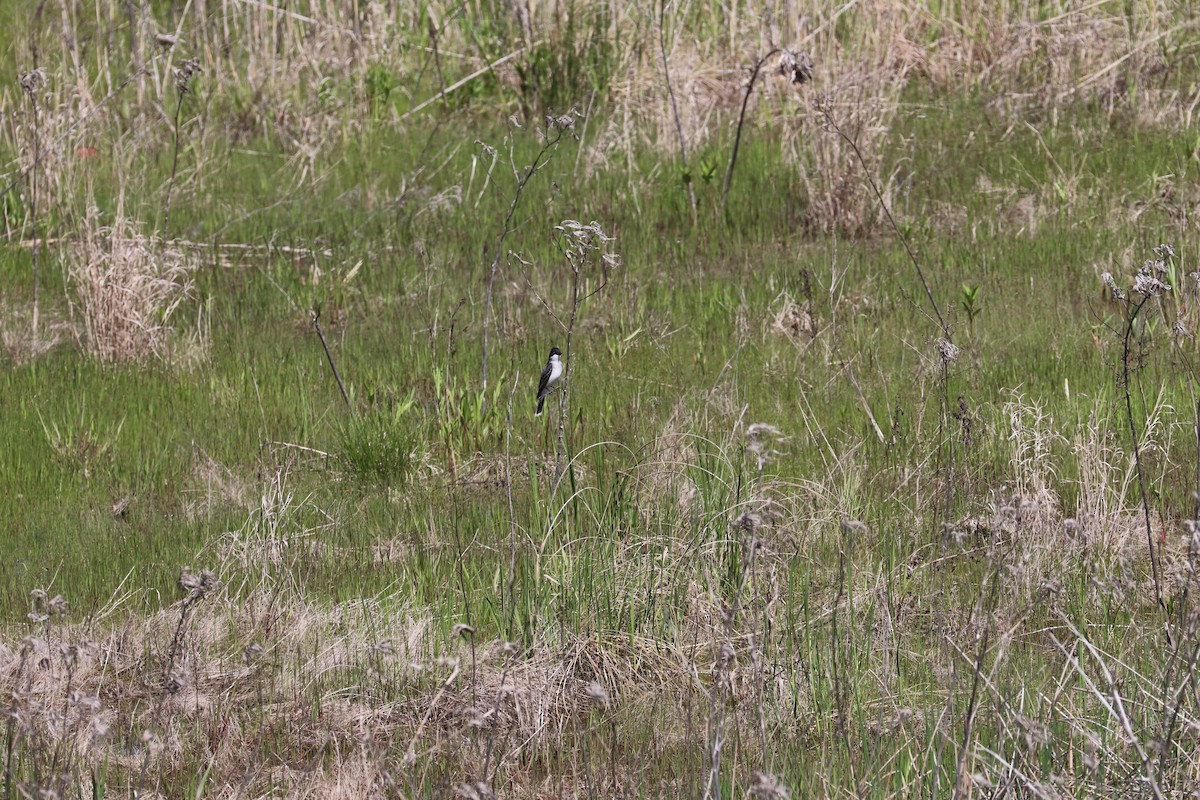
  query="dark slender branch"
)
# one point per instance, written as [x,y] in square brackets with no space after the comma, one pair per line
[973,704]
[33,208]
[539,161]
[737,137]
[1173,696]
[832,123]
[512,514]
[841,691]
[321,335]
[166,229]
[1137,453]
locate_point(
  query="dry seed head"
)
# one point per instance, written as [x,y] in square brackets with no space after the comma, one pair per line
[33,81]
[1117,291]
[198,586]
[474,791]
[563,122]
[465,631]
[90,702]
[947,350]
[726,656]
[487,148]
[748,523]
[597,694]
[1145,284]
[184,73]
[760,438]
[796,67]
[854,526]
[768,787]
[57,606]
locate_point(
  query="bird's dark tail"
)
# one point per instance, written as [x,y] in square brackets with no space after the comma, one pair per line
[541,402]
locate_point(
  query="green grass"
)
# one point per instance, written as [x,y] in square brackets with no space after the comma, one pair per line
[424,499]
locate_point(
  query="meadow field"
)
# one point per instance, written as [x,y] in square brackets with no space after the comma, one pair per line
[875,472]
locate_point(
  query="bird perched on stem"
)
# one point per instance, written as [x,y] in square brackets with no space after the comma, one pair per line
[551,375]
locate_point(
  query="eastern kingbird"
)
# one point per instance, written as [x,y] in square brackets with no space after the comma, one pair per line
[551,375]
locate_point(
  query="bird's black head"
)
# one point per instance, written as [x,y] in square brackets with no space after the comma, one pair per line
[554,351]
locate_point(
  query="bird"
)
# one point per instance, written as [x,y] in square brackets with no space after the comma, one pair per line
[551,374]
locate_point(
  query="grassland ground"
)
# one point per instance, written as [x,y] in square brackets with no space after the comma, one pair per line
[828,507]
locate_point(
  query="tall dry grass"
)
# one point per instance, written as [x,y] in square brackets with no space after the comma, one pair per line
[127,290]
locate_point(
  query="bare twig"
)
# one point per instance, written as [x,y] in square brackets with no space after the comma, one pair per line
[553,137]
[321,335]
[1126,345]
[827,113]
[737,136]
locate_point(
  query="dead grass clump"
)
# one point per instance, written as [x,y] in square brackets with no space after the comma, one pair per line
[127,292]
[792,320]
[863,105]
[21,343]
[214,485]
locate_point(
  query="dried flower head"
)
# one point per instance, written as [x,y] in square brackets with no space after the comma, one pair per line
[1146,284]
[33,81]
[198,586]
[768,787]
[578,242]
[947,350]
[854,526]
[1164,251]
[57,606]
[184,73]
[474,791]
[563,122]
[796,67]
[761,439]
[597,694]
[1117,291]
[747,522]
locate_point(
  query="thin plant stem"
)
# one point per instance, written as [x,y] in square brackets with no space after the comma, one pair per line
[33,207]
[166,229]
[316,321]
[1127,341]
[523,178]
[737,136]
[832,123]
